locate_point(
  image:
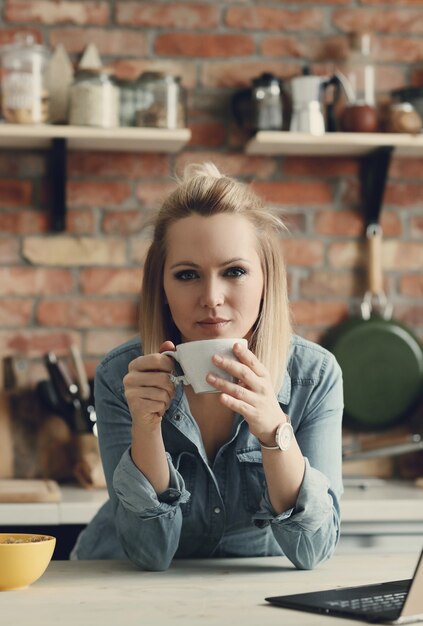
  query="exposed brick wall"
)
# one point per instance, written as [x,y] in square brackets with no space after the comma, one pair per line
[83,285]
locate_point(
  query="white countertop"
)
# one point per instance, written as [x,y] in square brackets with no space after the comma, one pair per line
[213,592]
[379,503]
[77,506]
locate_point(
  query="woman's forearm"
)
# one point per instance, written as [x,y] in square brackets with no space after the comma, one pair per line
[284,471]
[149,455]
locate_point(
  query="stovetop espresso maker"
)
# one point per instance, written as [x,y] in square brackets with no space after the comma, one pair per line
[263,106]
[313,101]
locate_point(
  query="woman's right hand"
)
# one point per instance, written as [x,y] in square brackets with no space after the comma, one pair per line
[148,388]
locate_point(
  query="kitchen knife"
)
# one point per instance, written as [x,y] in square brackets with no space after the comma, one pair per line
[81,374]
[48,396]
[15,373]
[65,388]
[74,411]
[81,408]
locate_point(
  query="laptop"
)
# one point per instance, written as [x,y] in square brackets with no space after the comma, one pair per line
[396,602]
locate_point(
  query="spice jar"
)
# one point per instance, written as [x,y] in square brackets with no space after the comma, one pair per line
[25,95]
[94,100]
[160,101]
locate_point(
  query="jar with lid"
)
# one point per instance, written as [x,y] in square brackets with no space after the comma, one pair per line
[25,97]
[94,99]
[160,101]
[126,101]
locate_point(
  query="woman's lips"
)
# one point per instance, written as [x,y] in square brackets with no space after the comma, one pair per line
[213,324]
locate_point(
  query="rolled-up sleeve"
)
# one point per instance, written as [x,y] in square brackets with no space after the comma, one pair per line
[148,525]
[137,494]
[309,532]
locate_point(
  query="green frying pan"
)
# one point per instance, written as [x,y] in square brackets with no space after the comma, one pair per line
[381,359]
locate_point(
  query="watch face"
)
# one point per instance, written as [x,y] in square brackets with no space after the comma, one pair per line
[284,436]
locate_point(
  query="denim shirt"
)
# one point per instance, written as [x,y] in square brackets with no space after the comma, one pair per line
[219,509]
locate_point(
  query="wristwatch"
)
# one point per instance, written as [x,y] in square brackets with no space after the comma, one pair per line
[283,437]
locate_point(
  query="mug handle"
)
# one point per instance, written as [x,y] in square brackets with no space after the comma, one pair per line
[175,379]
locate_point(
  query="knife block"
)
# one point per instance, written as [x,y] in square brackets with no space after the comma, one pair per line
[34,443]
[88,469]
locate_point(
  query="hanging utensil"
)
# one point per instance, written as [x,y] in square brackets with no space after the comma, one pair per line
[381,359]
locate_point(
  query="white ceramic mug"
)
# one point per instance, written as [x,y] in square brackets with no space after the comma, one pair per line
[195,359]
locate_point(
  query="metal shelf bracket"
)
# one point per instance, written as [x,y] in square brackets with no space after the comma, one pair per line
[374,169]
[57,170]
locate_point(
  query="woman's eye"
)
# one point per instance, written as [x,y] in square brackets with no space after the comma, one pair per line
[186,275]
[235,272]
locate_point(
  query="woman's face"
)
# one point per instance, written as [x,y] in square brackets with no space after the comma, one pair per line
[213,279]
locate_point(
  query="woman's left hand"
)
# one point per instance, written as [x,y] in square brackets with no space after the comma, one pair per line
[252,396]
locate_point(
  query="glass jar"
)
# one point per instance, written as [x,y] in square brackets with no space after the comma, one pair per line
[126,102]
[94,100]
[160,101]
[25,97]
[360,70]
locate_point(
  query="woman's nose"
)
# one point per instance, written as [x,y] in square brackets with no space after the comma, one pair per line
[212,294]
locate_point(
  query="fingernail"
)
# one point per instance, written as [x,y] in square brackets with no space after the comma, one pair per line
[211,378]
[218,358]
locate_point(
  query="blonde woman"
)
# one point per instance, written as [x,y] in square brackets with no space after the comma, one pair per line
[254,470]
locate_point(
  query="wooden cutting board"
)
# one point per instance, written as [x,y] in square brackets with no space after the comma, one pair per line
[25,490]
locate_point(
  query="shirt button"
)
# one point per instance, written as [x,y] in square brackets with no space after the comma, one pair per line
[217,510]
[177,417]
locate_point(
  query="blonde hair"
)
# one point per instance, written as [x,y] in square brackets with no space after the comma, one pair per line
[203,190]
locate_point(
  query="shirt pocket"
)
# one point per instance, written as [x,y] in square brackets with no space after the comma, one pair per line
[253,481]
[186,464]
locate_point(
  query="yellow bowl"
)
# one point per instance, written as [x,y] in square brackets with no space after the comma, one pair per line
[23,558]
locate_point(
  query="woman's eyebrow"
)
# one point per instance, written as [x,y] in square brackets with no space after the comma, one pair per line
[194,265]
[184,264]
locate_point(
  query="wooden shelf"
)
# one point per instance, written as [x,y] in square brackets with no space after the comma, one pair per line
[58,140]
[275,143]
[86,138]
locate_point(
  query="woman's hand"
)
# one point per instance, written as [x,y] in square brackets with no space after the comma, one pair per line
[253,396]
[148,388]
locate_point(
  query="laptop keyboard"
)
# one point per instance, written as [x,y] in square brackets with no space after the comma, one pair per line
[372,604]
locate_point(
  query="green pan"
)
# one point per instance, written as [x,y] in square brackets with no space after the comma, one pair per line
[381,359]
